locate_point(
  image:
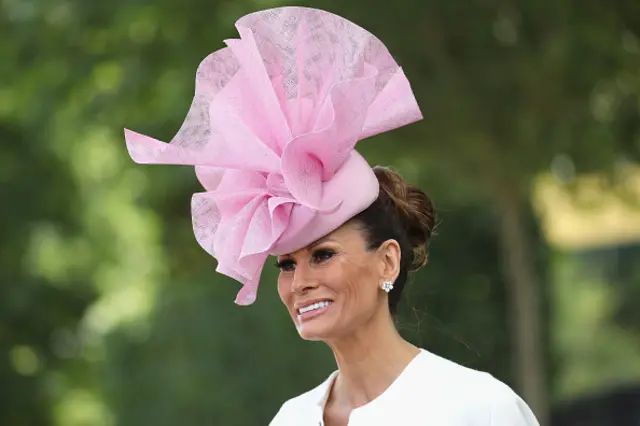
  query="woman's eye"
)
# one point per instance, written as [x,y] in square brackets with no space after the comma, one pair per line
[286,265]
[323,255]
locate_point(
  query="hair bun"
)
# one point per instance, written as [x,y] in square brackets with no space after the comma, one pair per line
[415,210]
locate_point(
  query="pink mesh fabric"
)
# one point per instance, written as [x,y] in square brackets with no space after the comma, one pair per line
[272,132]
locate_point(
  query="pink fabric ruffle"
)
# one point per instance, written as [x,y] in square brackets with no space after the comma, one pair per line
[275,116]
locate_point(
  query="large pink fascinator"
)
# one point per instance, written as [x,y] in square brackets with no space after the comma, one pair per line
[272,132]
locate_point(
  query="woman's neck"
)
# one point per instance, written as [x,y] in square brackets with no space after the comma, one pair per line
[369,360]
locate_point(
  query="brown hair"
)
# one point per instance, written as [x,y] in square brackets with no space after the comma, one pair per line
[402,212]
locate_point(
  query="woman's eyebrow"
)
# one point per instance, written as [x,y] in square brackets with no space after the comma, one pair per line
[319,241]
[308,248]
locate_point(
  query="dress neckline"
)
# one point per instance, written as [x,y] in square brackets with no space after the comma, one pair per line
[328,386]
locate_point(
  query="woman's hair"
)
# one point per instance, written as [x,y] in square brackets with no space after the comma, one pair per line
[404,213]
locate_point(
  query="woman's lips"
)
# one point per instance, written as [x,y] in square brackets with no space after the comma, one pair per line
[313,310]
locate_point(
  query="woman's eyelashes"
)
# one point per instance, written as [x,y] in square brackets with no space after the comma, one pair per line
[322,255]
[317,257]
[286,265]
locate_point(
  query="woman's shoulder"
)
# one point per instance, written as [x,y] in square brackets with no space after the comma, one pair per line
[474,392]
[445,374]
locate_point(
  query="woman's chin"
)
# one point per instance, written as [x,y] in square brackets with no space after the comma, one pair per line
[315,330]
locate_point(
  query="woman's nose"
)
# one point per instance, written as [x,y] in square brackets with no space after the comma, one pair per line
[303,280]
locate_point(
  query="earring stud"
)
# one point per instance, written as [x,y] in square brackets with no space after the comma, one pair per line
[387,286]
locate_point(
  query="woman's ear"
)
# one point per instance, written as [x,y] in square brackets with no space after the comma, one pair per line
[389,252]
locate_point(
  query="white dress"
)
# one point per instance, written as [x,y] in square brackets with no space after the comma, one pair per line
[431,391]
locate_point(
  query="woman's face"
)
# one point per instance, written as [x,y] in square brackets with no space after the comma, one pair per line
[332,286]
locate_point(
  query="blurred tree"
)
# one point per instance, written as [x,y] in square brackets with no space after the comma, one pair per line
[42,294]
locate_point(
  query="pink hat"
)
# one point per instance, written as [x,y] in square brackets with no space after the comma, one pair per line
[272,132]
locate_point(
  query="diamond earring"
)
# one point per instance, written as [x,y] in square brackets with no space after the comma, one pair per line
[387,286]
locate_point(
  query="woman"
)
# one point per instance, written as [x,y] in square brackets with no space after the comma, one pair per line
[343,290]
[272,133]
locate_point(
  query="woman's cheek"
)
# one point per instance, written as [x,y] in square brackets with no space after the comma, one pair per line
[284,289]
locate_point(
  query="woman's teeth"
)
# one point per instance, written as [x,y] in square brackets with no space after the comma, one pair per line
[313,307]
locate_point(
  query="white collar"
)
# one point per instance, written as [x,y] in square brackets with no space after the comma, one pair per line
[320,394]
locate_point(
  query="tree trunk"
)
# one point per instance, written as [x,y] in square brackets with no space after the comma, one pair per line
[524,306]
